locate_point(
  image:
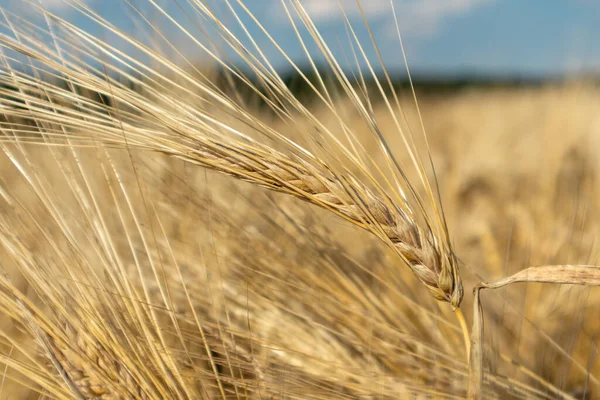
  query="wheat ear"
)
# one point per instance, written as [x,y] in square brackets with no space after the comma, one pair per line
[345,196]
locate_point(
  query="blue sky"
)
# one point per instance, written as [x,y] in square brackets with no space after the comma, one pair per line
[523,37]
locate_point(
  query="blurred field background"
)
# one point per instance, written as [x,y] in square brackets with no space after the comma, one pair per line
[295,302]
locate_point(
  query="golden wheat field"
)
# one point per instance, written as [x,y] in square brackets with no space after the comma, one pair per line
[172,241]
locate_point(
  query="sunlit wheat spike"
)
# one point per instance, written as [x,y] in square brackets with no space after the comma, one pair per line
[163,119]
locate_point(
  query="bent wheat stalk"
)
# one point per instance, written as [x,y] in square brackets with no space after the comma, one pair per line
[587,275]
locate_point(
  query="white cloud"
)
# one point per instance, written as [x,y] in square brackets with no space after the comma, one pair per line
[329,9]
[415,16]
[324,9]
[55,5]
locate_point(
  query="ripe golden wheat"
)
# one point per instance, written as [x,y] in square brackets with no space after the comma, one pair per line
[217,301]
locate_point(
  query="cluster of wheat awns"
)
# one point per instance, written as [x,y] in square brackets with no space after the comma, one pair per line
[115,326]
